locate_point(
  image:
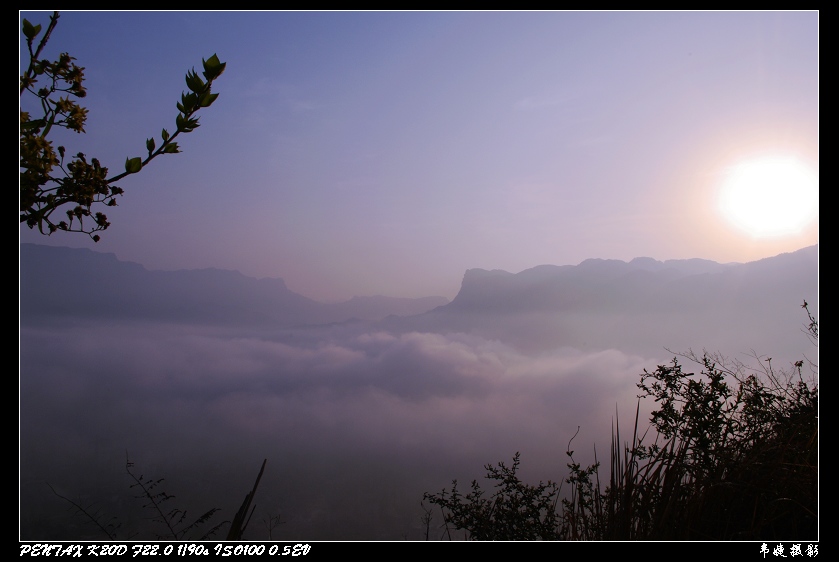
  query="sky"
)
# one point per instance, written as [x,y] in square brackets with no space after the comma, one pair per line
[367,153]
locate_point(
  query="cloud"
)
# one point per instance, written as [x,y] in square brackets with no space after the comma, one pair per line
[356,427]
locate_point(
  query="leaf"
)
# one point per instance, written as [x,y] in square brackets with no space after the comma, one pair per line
[213,67]
[150,145]
[207,99]
[32,31]
[194,82]
[133,165]
[37,123]
[189,101]
[165,135]
[210,63]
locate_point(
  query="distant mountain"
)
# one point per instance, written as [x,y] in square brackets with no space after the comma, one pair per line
[81,283]
[643,304]
[642,284]
[640,306]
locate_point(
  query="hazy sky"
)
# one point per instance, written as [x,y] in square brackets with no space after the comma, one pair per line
[362,153]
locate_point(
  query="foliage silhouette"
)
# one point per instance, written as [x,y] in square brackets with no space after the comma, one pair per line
[516,511]
[108,527]
[734,457]
[47,181]
[242,518]
[174,520]
[155,499]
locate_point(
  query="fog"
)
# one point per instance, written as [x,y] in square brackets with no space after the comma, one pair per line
[354,429]
[357,419]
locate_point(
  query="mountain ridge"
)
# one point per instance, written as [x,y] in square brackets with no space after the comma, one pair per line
[596,303]
[57,280]
[480,284]
[635,306]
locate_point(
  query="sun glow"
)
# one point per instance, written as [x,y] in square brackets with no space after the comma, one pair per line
[770,197]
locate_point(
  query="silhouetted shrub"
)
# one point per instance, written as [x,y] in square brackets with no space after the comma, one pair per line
[734,457]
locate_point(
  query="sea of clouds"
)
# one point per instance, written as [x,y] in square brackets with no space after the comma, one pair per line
[356,423]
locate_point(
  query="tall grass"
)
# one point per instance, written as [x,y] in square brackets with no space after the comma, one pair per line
[173,523]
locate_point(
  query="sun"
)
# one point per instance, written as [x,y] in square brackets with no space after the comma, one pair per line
[770,197]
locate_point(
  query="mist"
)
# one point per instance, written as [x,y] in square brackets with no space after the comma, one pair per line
[356,419]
